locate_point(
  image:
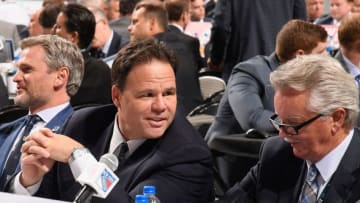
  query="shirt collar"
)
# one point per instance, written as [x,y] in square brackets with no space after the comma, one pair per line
[106,47]
[330,162]
[178,26]
[117,138]
[49,113]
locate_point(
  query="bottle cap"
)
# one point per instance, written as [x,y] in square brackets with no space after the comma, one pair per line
[141,199]
[149,189]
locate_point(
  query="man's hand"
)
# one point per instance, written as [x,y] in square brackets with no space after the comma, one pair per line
[55,146]
[40,151]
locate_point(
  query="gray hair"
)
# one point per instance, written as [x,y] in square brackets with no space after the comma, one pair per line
[330,85]
[60,53]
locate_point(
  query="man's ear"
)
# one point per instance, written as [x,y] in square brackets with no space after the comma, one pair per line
[75,38]
[338,117]
[62,77]
[299,52]
[116,95]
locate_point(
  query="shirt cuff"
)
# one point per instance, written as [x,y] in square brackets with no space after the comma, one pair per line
[17,188]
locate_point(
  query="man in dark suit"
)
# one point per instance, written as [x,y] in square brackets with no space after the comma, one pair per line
[77,24]
[149,19]
[248,99]
[246,28]
[164,149]
[50,71]
[106,42]
[314,157]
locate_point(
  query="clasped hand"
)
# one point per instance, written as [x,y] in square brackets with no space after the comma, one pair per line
[40,151]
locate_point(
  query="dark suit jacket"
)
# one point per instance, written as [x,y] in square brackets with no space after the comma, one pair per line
[187,82]
[324,20]
[4,96]
[248,101]
[278,176]
[10,131]
[178,163]
[95,87]
[115,46]
[246,28]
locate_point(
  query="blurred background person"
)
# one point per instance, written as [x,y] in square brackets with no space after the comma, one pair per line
[121,24]
[77,24]
[106,42]
[338,10]
[314,9]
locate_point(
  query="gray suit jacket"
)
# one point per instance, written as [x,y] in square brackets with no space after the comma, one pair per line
[279,175]
[9,31]
[120,26]
[248,99]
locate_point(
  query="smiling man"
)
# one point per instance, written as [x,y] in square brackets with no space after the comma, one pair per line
[164,150]
[314,158]
[50,70]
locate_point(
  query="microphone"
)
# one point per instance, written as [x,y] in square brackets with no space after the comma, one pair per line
[98,179]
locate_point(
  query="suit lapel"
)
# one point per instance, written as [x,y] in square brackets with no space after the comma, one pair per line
[346,175]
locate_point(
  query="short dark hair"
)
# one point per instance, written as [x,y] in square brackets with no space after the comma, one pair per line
[80,20]
[136,53]
[176,8]
[298,34]
[154,9]
[48,15]
[126,7]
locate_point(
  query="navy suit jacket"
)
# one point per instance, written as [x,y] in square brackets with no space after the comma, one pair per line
[248,101]
[115,46]
[10,131]
[279,176]
[95,86]
[178,164]
[187,82]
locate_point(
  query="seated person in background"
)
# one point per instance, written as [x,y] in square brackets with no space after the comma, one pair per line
[106,42]
[164,149]
[338,10]
[49,73]
[315,156]
[248,99]
[77,24]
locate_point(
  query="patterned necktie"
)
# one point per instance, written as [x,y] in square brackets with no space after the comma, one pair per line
[311,185]
[12,162]
[120,151]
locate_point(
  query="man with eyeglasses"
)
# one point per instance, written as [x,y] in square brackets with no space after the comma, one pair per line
[315,156]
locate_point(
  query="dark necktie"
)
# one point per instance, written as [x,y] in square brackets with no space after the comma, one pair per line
[12,163]
[120,151]
[311,185]
[357,79]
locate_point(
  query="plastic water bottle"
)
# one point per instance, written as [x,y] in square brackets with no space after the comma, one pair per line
[141,199]
[150,191]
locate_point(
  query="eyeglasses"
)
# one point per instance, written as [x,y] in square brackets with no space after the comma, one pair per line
[291,129]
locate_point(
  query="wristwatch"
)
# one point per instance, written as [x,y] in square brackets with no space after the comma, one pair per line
[78,152]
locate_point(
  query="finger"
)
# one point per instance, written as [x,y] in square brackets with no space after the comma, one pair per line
[38,151]
[35,161]
[26,145]
[40,137]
